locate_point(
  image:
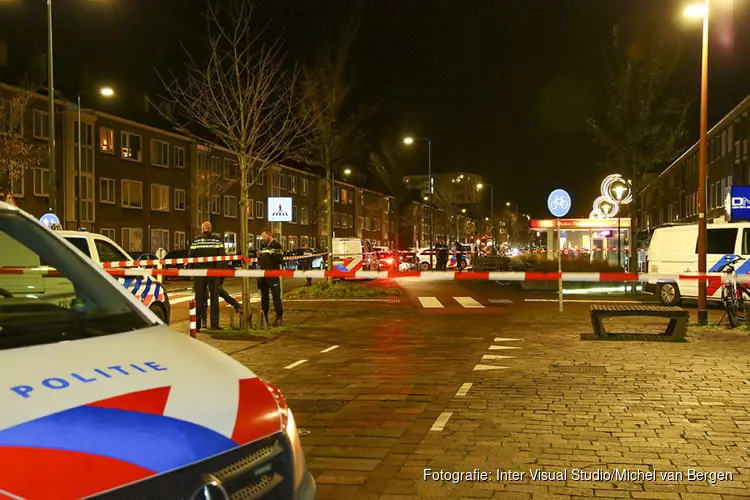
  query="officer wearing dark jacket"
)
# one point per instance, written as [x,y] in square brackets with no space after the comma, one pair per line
[207,244]
[442,256]
[271,256]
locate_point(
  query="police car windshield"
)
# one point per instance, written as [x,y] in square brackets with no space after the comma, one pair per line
[49,293]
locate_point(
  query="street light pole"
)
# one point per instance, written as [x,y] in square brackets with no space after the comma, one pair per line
[78,168]
[702,174]
[429,175]
[52,175]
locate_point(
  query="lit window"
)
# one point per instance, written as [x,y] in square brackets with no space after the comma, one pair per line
[108,233]
[159,239]
[41,182]
[160,197]
[179,240]
[259,209]
[132,239]
[107,140]
[132,194]
[131,146]
[230,206]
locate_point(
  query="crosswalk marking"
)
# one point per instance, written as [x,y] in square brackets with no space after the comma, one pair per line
[501,339]
[479,368]
[468,302]
[430,302]
[464,389]
[501,347]
[439,424]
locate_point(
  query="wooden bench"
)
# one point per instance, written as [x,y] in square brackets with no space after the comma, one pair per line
[676,329]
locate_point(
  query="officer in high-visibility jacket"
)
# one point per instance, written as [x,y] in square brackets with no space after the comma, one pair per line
[271,256]
[207,244]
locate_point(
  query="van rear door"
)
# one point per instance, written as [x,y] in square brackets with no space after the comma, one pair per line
[722,243]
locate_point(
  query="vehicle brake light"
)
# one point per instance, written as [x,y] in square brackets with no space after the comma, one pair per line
[389,260]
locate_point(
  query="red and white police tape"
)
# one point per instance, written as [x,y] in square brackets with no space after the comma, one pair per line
[713,278]
[192,260]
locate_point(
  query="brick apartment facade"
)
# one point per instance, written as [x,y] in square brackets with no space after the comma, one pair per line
[148,188]
[672,195]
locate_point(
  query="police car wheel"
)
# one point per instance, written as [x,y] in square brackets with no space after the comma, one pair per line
[669,294]
[425,266]
[160,313]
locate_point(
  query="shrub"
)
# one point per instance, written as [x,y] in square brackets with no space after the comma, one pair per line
[581,263]
[324,290]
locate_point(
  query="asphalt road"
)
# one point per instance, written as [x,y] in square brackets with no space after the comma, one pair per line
[388,395]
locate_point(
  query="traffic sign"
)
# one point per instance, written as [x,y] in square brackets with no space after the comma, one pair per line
[279,209]
[558,203]
[50,220]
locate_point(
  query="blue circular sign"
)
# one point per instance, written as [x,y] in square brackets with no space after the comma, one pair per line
[558,203]
[49,220]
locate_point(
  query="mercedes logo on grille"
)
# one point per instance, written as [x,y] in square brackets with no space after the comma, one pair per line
[211,490]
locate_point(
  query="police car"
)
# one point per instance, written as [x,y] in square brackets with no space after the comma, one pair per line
[100,249]
[100,399]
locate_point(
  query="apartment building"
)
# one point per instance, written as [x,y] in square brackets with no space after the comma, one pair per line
[148,188]
[672,196]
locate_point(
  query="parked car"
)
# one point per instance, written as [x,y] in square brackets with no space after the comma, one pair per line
[317,262]
[425,264]
[100,249]
[387,260]
[101,389]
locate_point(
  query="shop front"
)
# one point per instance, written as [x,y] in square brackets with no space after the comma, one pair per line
[600,239]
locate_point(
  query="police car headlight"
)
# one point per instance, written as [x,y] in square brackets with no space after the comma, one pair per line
[289,426]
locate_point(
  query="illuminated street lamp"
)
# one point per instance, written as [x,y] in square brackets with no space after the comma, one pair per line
[409,141]
[701,10]
[619,191]
[463,210]
[347,171]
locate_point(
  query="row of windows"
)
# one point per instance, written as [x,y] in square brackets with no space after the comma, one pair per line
[132,240]
[289,182]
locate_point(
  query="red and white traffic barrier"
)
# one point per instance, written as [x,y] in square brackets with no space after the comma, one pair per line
[193,320]
[433,275]
[192,260]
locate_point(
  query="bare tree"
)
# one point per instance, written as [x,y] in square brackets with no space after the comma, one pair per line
[411,218]
[642,125]
[242,96]
[17,153]
[446,198]
[335,135]
[384,163]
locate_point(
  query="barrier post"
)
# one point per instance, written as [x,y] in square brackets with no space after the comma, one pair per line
[193,332]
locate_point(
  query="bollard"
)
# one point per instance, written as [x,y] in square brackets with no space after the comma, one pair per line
[193,332]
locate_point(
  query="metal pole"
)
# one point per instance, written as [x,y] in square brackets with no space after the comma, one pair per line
[559,266]
[429,175]
[702,174]
[333,185]
[619,244]
[492,218]
[78,169]
[52,189]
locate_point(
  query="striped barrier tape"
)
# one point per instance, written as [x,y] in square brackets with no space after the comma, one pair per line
[193,260]
[710,278]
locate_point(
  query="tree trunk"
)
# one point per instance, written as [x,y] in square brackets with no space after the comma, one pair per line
[244,247]
[396,226]
[329,216]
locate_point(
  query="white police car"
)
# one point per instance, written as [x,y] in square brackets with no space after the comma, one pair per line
[100,399]
[101,249]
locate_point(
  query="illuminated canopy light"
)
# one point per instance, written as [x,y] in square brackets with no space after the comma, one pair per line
[408,140]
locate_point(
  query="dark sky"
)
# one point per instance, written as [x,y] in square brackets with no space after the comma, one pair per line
[501,87]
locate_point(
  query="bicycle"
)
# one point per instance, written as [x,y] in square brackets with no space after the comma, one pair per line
[733,294]
[559,202]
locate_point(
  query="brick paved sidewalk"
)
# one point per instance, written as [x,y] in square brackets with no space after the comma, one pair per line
[641,406]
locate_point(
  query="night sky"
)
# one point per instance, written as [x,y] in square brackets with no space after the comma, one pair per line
[501,87]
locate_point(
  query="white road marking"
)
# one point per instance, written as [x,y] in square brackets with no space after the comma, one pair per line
[501,339]
[594,301]
[296,363]
[329,349]
[463,390]
[480,368]
[468,302]
[180,300]
[439,424]
[430,302]
[488,357]
[11,495]
[501,347]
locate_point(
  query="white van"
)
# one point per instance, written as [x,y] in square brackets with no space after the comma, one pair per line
[100,397]
[674,250]
[353,254]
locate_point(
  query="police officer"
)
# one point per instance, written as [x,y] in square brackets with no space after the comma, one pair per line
[207,244]
[271,256]
[442,256]
[305,263]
